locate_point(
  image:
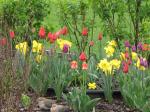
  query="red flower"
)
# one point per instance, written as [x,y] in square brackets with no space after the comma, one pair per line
[126,55]
[84,66]
[129,62]
[42,32]
[84,31]
[74,65]
[125,67]
[100,36]
[12,34]
[52,37]
[64,31]
[91,43]
[3,41]
[82,56]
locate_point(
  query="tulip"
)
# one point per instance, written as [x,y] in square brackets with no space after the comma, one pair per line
[65,48]
[127,44]
[82,56]
[139,46]
[12,34]
[42,32]
[84,31]
[3,41]
[91,43]
[64,31]
[74,65]
[125,67]
[100,36]
[134,48]
[84,66]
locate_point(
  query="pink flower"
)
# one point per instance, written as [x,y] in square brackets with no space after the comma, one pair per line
[84,66]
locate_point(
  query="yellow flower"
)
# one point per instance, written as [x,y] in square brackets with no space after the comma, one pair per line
[115,63]
[122,56]
[134,56]
[92,85]
[139,66]
[22,47]
[37,47]
[112,43]
[62,42]
[109,51]
[105,66]
[38,58]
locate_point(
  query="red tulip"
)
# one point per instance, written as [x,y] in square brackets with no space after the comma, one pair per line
[84,66]
[91,43]
[3,41]
[84,31]
[82,56]
[125,67]
[100,36]
[52,37]
[64,31]
[42,32]
[126,55]
[12,34]
[129,61]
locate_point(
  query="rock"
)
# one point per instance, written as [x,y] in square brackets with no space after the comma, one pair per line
[44,103]
[59,108]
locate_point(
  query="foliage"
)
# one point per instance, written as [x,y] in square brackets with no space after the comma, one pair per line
[25,100]
[58,73]
[136,93]
[79,101]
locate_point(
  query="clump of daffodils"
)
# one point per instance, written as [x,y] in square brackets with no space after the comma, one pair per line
[37,48]
[64,45]
[109,66]
[110,48]
[22,47]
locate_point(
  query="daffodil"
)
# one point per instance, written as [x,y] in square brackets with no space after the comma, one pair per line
[92,85]
[105,66]
[122,56]
[62,42]
[37,47]
[109,51]
[22,47]
[115,63]
[38,58]
[134,56]
[112,43]
[139,66]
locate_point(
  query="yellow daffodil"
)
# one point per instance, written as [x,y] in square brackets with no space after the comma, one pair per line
[109,51]
[139,66]
[37,47]
[38,58]
[122,56]
[22,47]
[105,66]
[115,63]
[134,56]
[62,42]
[112,43]
[92,85]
